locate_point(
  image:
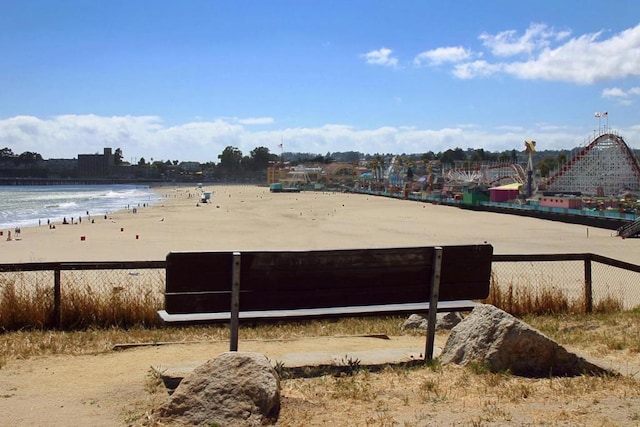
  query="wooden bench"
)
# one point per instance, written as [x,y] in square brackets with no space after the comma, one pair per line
[220,286]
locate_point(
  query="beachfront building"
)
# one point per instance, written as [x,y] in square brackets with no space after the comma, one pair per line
[560,202]
[504,193]
[96,165]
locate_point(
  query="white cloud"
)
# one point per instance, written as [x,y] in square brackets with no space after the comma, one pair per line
[256,121]
[583,60]
[442,55]
[381,57]
[469,70]
[535,38]
[620,95]
[614,92]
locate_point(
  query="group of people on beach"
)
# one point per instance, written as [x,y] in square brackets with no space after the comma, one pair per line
[17,232]
[65,221]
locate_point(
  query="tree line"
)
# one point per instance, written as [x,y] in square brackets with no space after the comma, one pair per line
[232,162]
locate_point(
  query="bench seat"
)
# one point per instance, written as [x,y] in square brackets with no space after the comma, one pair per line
[305,313]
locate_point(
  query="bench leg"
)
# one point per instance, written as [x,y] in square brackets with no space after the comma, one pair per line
[433,304]
[235,303]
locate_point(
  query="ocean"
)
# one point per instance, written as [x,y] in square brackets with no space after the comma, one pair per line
[24,206]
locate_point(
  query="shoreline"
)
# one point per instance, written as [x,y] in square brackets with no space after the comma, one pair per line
[247,216]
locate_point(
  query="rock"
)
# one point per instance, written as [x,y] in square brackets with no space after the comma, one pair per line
[448,320]
[443,321]
[494,338]
[415,321]
[235,388]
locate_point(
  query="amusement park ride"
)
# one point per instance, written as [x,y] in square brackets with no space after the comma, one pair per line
[603,167]
[602,174]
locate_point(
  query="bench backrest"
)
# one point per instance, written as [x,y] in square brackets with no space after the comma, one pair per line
[200,282]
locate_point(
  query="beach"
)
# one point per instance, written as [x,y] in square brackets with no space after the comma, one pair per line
[247,217]
[114,387]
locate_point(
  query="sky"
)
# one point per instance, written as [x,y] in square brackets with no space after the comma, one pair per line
[182,80]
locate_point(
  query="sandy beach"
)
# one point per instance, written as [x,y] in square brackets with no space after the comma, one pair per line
[250,217]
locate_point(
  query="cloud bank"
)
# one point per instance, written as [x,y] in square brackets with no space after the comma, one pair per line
[147,136]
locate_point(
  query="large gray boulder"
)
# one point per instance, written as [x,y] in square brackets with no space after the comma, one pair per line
[444,321]
[234,389]
[501,342]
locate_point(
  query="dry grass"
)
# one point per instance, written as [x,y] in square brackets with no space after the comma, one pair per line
[404,396]
[544,299]
[612,332]
[89,299]
[105,299]
[451,395]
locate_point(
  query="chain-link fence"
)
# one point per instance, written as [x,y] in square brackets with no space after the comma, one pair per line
[577,282]
[79,295]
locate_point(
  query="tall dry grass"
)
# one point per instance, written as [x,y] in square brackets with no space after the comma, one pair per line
[544,300]
[127,301]
[22,308]
[87,301]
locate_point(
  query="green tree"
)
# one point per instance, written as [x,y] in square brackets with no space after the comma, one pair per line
[117,156]
[231,159]
[427,157]
[562,158]
[260,157]
[450,156]
[6,154]
[547,165]
[29,157]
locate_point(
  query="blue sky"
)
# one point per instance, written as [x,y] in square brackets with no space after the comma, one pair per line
[182,80]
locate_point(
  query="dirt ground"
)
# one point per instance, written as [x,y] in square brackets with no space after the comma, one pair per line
[117,388]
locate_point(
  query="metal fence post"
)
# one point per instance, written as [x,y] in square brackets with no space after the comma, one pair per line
[588,284]
[235,303]
[57,298]
[433,304]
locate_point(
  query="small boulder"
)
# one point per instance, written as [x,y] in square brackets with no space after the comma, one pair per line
[443,321]
[493,337]
[415,321]
[235,388]
[448,320]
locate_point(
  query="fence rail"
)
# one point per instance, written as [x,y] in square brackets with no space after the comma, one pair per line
[597,282]
[585,276]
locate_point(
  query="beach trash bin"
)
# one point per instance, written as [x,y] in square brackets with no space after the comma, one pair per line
[83,238]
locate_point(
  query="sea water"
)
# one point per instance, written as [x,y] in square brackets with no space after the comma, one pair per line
[23,206]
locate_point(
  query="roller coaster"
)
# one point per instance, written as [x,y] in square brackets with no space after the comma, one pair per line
[604,167]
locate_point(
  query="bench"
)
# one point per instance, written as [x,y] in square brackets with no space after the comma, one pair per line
[222,286]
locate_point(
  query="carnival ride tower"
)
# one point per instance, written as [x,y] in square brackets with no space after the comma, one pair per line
[529,148]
